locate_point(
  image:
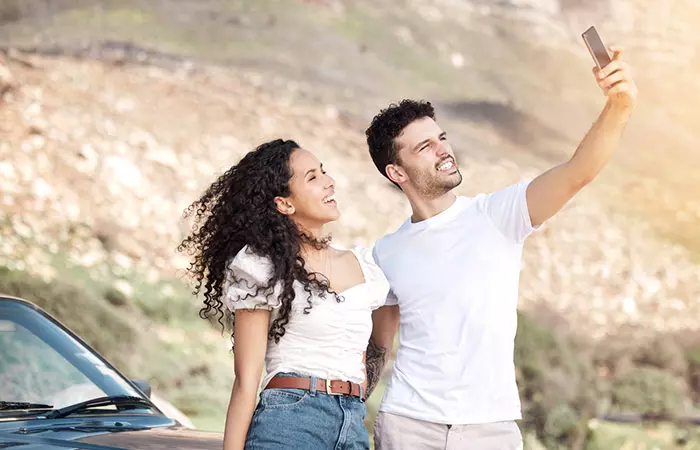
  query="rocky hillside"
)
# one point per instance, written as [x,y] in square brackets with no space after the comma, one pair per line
[103,147]
[115,115]
[99,160]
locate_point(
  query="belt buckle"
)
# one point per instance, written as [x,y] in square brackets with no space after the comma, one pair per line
[329,390]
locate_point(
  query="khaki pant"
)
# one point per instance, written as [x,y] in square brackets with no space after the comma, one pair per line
[392,432]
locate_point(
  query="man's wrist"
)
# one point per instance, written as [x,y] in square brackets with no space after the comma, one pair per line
[616,110]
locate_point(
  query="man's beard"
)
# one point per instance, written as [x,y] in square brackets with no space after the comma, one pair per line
[431,185]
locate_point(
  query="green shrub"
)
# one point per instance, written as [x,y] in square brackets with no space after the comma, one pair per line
[662,352]
[648,390]
[84,312]
[557,383]
[116,297]
[191,371]
[561,422]
[692,355]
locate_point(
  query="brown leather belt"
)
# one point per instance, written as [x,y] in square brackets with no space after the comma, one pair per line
[330,387]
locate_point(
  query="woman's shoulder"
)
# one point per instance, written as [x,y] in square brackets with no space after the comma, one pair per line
[374,276]
[370,268]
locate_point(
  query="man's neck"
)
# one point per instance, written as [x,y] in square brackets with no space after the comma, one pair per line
[426,208]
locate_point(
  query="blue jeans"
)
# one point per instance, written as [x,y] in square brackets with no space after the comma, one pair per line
[309,420]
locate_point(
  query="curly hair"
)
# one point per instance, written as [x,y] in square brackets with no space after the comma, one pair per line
[388,125]
[238,209]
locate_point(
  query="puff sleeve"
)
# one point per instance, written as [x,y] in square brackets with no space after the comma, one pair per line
[374,277]
[246,276]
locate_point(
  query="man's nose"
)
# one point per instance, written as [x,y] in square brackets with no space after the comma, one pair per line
[442,149]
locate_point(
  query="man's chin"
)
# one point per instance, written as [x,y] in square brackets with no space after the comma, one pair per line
[445,187]
[453,181]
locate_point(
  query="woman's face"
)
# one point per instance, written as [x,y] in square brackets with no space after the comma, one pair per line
[311,203]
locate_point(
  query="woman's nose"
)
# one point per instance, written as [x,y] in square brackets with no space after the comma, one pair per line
[331,182]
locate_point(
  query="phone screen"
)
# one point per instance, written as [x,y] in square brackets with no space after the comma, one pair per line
[596,47]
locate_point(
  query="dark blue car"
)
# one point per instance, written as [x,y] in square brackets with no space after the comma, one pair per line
[58,393]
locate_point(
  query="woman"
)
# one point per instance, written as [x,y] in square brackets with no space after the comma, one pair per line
[293,302]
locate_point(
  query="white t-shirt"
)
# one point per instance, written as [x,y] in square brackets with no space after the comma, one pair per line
[455,277]
[326,343]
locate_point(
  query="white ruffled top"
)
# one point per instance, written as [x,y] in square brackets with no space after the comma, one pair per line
[328,342]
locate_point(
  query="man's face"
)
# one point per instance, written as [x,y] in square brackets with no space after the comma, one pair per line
[426,162]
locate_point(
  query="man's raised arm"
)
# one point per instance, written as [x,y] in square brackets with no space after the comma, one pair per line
[550,191]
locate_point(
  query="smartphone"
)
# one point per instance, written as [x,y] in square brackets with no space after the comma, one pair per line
[596,47]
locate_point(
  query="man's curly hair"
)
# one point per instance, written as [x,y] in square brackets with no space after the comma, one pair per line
[238,209]
[388,125]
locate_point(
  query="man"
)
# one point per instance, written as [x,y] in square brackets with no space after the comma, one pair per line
[454,270]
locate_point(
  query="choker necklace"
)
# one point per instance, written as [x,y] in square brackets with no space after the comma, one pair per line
[318,244]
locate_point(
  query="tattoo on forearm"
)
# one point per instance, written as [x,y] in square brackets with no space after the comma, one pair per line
[375,361]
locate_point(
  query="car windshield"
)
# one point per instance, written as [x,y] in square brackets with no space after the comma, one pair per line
[42,363]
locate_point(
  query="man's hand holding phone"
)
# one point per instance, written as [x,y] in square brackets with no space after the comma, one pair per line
[615,79]
[612,74]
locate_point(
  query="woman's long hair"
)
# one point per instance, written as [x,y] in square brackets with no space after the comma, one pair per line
[238,209]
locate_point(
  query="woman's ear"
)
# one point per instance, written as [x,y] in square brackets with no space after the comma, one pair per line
[284,206]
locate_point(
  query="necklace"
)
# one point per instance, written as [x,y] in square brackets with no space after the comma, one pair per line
[324,269]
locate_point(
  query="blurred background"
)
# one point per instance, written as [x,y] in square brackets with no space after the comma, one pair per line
[115,115]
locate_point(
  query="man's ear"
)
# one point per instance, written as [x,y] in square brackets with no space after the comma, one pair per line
[284,206]
[396,173]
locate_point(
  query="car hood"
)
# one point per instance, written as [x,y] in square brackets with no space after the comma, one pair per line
[95,435]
